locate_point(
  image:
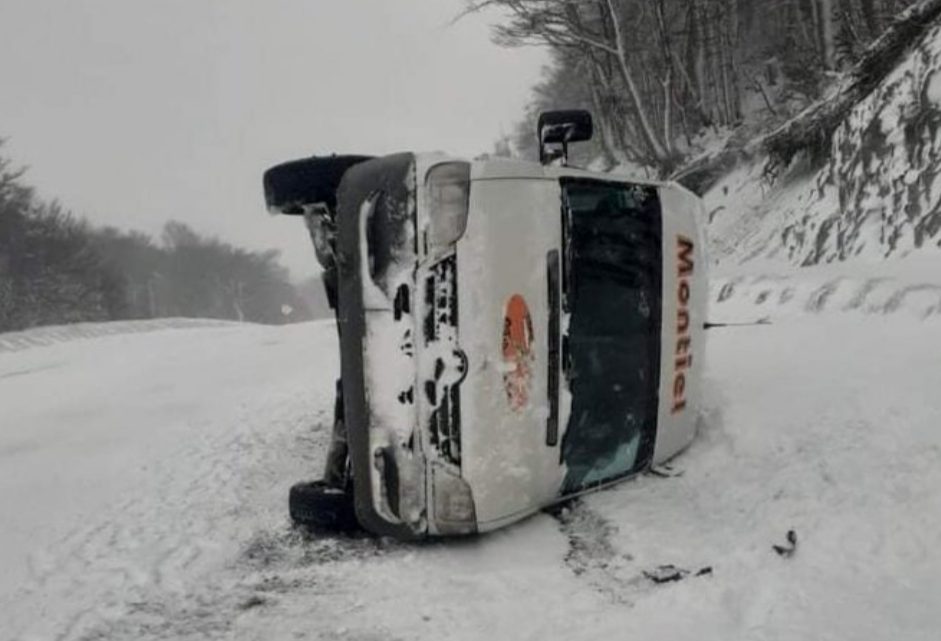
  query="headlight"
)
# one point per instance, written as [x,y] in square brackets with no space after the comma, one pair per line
[448,186]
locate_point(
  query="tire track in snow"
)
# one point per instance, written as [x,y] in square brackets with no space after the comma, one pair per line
[594,558]
[281,562]
[591,555]
[251,580]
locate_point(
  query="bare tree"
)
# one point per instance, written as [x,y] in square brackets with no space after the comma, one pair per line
[827,32]
[596,28]
[658,72]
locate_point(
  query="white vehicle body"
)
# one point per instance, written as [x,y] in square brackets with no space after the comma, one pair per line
[514,222]
[475,394]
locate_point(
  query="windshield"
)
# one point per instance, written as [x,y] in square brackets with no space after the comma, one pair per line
[612,278]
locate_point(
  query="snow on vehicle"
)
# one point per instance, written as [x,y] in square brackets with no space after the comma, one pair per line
[512,334]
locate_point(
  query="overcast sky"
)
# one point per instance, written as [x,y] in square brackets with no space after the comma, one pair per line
[132,112]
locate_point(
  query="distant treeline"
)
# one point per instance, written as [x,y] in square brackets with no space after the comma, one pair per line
[56,268]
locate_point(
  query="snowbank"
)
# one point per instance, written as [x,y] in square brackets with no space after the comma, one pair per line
[767,290]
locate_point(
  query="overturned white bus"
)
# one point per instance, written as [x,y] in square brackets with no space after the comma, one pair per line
[512,334]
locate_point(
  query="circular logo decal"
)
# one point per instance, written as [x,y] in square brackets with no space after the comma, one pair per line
[517,352]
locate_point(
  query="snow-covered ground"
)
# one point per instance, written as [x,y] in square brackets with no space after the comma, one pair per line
[143,484]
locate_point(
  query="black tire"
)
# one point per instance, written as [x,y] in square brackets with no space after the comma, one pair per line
[317,505]
[291,185]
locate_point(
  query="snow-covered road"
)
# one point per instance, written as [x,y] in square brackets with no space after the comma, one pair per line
[143,483]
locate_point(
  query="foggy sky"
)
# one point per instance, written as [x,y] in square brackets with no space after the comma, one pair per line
[132,112]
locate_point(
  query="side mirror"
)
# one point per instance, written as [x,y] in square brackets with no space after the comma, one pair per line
[556,129]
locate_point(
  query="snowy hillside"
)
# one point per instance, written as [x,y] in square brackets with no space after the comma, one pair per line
[144,479]
[858,236]
[878,195]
